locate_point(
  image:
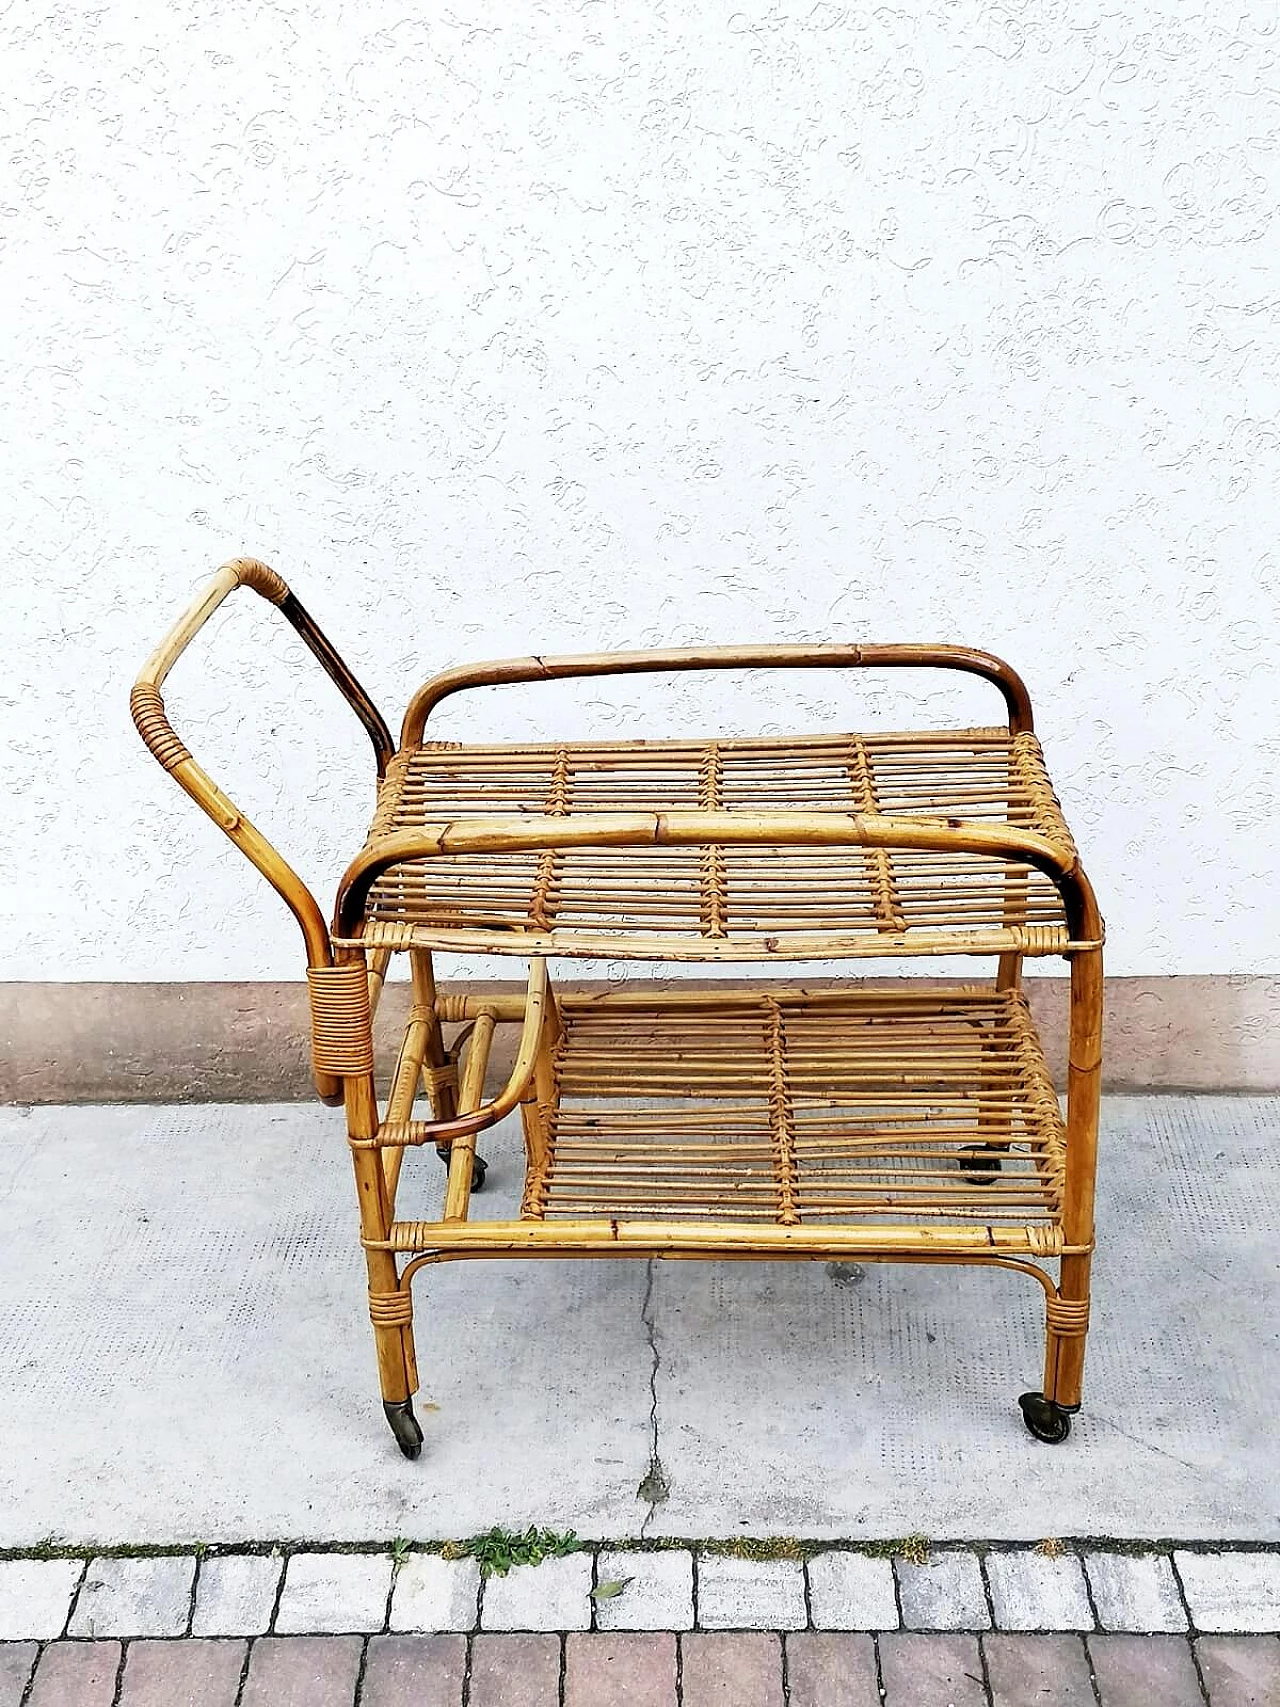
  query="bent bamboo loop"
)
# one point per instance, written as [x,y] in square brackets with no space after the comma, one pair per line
[503,672]
[412,1132]
[167,747]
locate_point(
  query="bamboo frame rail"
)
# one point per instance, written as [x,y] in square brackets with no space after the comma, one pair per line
[886,1123]
[504,672]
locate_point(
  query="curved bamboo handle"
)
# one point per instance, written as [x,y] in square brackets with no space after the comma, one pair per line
[505,671]
[513,834]
[462,1125]
[147,705]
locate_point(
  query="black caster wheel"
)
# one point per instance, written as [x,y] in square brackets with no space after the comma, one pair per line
[1045,1419]
[980,1165]
[479,1168]
[404,1425]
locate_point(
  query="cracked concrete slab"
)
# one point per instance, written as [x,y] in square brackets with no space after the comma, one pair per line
[654,1490]
[184,1335]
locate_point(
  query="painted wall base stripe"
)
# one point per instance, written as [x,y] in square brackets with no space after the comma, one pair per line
[224,1042]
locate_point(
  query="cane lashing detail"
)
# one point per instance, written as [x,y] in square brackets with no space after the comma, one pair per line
[262,578]
[439,1078]
[341,1022]
[146,704]
[1068,1317]
[391,1309]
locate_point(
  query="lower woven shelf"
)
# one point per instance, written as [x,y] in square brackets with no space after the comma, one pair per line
[790,1120]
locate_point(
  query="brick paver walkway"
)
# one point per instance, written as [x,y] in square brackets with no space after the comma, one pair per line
[614,1625]
[648,1669]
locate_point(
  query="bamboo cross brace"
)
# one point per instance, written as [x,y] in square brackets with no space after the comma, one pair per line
[879,868]
[559,797]
[781,1117]
[715,896]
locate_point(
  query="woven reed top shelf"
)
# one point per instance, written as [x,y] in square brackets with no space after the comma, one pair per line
[712,900]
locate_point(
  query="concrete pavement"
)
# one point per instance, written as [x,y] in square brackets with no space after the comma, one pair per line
[187,1358]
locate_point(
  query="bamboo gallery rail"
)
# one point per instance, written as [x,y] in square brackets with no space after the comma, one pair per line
[880,1121]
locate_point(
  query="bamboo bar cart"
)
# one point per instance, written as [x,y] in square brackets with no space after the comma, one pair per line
[875,1121]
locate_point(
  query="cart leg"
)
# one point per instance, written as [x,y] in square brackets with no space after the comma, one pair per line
[1048,1414]
[980,1161]
[442,1095]
[1009,972]
[535,1114]
[441,1091]
[342,1046]
[994,1124]
[390,1304]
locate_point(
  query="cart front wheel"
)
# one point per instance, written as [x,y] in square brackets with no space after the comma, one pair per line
[981,1165]
[479,1168]
[1045,1419]
[404,1425]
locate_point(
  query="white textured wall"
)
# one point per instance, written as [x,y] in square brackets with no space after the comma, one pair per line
[549,325]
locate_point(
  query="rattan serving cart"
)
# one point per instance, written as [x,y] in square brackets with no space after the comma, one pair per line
[876,1121]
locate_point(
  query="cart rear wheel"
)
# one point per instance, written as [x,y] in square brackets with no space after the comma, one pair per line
[1045,1419]
[479,1168]
[404,1425]
[980,1164]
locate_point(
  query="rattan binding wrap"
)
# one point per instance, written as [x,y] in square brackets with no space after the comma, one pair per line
[1068,1317]
[341,1023]
[147,706]
[262,578]
[391,1309]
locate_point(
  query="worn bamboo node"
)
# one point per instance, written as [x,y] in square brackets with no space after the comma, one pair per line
[341,1023]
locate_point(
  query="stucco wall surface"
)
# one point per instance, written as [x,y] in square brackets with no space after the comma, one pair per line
[554,326]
